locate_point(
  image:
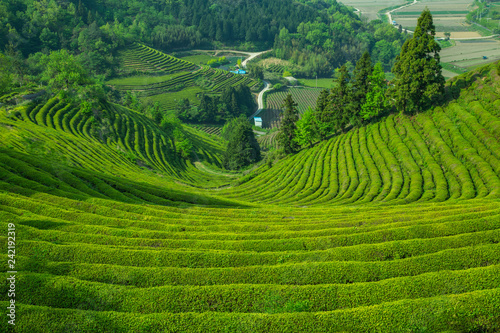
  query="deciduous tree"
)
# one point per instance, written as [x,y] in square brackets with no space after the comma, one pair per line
[306,134]
[376,101]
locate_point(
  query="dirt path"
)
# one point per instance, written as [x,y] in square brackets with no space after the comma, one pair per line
[389,13]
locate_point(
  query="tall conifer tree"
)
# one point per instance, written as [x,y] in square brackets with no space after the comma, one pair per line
[418,79]
[288,127]
[360,87]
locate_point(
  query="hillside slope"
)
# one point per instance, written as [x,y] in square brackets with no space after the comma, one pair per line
[450,152]
[112,242]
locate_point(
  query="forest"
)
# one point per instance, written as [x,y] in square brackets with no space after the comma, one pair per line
[318,36]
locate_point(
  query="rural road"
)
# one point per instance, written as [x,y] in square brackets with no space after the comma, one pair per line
[404,6]
[260,99]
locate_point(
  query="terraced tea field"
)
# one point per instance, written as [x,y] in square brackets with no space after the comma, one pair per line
[209,129]
[268,141]
[392,227]
[304,97]
[142,58]
[168,90]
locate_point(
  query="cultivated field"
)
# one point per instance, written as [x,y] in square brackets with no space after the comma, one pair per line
[209,129]
[449,153]
[391,227]
[326,83]
[304,97]
[370,8]
[448,16]
[469,53]
[268,141]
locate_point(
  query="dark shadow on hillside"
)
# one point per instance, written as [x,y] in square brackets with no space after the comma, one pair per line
[27,175]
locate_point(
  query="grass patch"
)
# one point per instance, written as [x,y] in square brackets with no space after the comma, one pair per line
[326,83]
[198,59]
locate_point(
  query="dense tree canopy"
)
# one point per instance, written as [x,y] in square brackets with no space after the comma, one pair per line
[288,127]
[242,147]
[317,48]
[318,36]
[233,102]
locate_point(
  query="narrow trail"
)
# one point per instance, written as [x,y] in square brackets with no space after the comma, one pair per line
[389,13]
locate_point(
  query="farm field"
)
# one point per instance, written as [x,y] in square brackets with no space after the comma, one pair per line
[448,16]
[370,8]
[326,83]
[431,156]
[143,80]
[198,59]
[268,141]
[209,129]
[469,53]
[304,97]
[169,101]
[141,58]
[390,227]
[275,65]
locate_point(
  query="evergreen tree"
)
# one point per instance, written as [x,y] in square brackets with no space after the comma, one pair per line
[242,148]
[288,127]
[418,79]
[339,98]
[376,101]
[323,121]
[360,87]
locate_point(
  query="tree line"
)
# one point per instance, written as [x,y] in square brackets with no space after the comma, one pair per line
[318,36]
[316,48]
[215,109]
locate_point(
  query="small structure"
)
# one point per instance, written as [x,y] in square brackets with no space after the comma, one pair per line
[394,23]
[257,121]
[291,80]
[485,57]
[239,71]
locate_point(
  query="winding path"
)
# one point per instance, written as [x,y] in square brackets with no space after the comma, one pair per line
[260,99]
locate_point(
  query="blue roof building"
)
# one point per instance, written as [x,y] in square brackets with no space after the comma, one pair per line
[257,121]
[239,71]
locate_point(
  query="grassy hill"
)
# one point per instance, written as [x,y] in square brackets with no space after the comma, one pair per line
[393,227]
